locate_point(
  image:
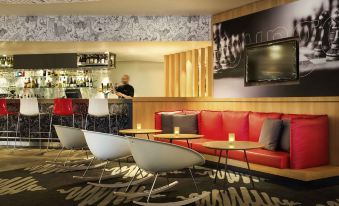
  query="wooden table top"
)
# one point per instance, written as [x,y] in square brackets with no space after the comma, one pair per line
[236,145]
[178,136]
[139,131]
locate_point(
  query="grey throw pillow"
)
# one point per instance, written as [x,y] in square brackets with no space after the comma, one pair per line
[188,123]
[270,133]
[167,123]
[285,135]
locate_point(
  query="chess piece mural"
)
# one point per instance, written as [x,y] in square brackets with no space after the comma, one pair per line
[315,23]
[333,53]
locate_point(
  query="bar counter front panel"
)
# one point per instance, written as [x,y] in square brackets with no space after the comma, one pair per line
[121,118]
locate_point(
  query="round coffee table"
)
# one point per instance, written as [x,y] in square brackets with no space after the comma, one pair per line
[227,146]
[133,132]
[172,137]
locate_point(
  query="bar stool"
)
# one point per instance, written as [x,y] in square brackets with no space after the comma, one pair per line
[98,108]
[63,107]
[5,113]
[29,108]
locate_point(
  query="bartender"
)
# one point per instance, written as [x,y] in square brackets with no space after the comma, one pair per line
[124,90]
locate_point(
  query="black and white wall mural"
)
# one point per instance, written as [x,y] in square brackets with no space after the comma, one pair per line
[315,23]
[105,28]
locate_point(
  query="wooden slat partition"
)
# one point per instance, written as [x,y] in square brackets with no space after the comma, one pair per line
[183,76]
[195,65]
[167,76]
[189,73]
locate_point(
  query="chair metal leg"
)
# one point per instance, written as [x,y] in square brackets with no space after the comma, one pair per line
[86,121]
[17,130]
[129,184]
[109,123]
[103,170]
[7,130]
[69,154]
[195,183]
[39,131]
[150,192]
[88,167]
[57,157]
[94,124]
[50,131]
[73,120]
[29,131]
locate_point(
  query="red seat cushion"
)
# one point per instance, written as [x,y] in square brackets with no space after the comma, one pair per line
[210,125]
[276,159]
[256,120]
[237,123]
[309,142]
[269,158]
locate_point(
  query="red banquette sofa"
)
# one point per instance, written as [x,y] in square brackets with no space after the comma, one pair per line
[309,146]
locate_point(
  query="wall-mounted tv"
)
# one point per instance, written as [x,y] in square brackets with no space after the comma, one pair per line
[273,62]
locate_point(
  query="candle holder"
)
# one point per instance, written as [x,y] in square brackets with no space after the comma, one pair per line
[176,130]
[138,126]
[231,137]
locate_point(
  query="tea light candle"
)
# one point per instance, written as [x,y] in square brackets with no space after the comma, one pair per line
[138,125]
[176,130]
[231,137]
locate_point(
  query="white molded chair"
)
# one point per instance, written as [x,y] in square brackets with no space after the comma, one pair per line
[29,108]
[98,108]
[107,147]
[158,157]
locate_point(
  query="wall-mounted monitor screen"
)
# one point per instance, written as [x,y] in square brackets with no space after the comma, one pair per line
[274,62]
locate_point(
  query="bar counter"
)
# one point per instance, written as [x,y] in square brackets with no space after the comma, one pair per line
[120,109]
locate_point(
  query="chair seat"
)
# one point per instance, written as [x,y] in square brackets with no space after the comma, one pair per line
[276,159]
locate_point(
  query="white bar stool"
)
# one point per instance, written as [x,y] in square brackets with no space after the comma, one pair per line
[29,108]
[98,108]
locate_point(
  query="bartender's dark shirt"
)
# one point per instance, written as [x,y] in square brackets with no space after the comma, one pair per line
[126,89]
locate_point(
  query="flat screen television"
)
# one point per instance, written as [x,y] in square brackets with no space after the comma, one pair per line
[273,62]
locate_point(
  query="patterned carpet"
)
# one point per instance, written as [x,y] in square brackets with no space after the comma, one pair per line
[25,179]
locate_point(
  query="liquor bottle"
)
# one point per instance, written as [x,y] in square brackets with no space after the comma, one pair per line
[91,83]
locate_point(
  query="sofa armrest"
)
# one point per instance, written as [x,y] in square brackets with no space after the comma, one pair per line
[309,142]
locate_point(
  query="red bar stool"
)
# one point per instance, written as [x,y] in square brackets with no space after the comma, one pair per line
[5,113]
[63,107]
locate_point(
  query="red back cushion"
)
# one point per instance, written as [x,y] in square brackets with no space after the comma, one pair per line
[309,142]
[256,120]
[237,123]
[210,125]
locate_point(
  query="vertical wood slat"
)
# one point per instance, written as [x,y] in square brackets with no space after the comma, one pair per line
[183,76]
[202,73]
[171,79]
[167,75]
[177,75]
[209,71]
[189,74]
[195,67]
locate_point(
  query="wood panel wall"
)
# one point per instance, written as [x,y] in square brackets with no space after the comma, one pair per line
[189,74]
[248,9]
[144,109]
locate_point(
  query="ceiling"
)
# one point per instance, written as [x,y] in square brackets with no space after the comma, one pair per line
[119,7]
[126,51]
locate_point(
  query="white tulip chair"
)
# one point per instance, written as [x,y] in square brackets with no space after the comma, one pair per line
[107,147]
[158,157]
[72,138]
